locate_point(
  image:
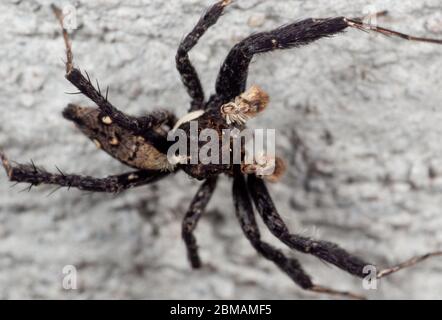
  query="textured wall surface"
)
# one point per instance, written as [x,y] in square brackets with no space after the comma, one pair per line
[367,108]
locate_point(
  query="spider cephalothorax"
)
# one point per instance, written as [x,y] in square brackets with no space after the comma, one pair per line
[143,143]
[222,118]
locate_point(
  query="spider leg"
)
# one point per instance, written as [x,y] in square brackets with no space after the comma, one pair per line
[189,76]
[197,207]
[324,250]
[246,217]
[359,24]
[113,184]
[233,74]
[407,264]
[137,125]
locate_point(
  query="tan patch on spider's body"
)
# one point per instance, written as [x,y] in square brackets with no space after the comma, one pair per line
[246,106]
[106,120]
[132,150]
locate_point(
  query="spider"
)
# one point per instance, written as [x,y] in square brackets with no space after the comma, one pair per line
[141,143]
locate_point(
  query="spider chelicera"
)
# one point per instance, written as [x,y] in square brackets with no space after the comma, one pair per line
[141,143]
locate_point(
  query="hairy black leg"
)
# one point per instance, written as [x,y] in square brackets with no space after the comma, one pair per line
[113,184]
[189,76]
[137,125]
[324,250]
[197,207]
[246,217]
[232,77]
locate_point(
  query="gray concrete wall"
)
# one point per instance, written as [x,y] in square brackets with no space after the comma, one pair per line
[368,109]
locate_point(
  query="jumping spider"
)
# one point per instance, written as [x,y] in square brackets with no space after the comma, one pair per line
[140,142]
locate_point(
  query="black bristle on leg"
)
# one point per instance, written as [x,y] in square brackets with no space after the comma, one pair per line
[137,125]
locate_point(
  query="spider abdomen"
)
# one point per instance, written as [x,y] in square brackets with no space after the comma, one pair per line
[132,150]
